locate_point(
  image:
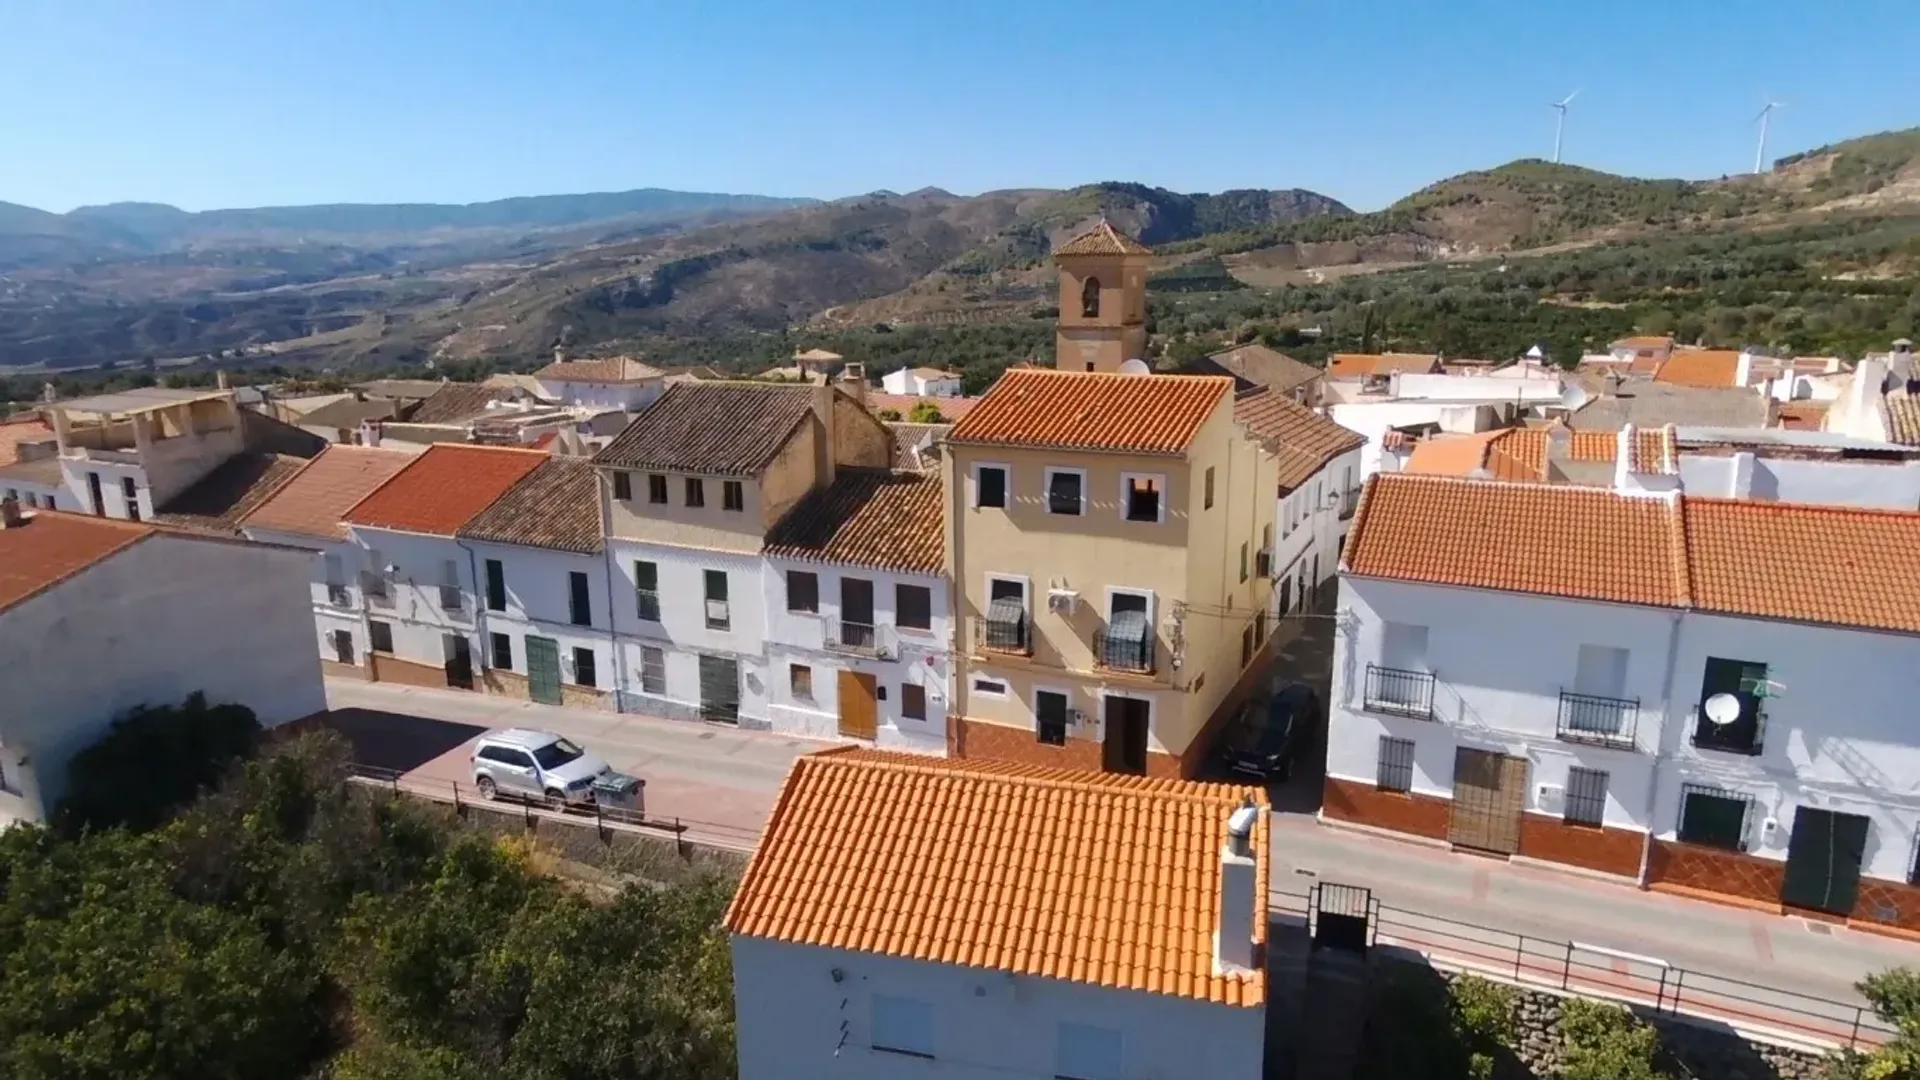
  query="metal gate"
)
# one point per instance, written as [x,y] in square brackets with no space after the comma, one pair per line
[720,689]
[543,670]
[1489,795]
[1341,916]
[1823,860]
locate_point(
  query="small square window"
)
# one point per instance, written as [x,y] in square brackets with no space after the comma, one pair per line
[902,1026]
[913,701]
[502,651]
[696,491]
[990,687]
[622,486]
[1586,796]
[1209,499]
[800,680]
[1050,717]
[913,607]
[657,490]
[584,673]
[733,495]
[653,670]
[1085,1052]
[379,636]
[990,486]
[1066,491]
[1142,498]
[803,591]
[1396,765]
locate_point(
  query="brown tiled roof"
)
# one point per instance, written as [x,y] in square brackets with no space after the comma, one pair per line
[443,488]
[403,389]
[953,408]
[611,369]
[1820,564]
[1700,367]
[888,521]
[1903,418]
[555,506]
[313,502]
[1349,365]
[1802,415]
[348,413]
[715,428]
[906,443]
[1085,877]
[455,402]
[52,547]
[1102,239]
[1254,366]
[1087,410]
[1644,341]
[1302,440]
[1580,542]
[26,429]
[219,500]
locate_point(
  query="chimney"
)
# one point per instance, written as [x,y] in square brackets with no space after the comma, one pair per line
[48,393]
[559,354]
[1623,456]
[853,381]
[220,381]
[10,515]
[1559,441]
[1743,368]
[1900,363]
[1240,902]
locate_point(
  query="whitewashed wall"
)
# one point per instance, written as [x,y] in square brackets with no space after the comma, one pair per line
[538,603]
[682,632]
[415,612]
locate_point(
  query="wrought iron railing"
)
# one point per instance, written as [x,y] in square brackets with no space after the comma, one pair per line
[1598,720]
[1120,652]
[859,638]
[1003,635]
[1400,692]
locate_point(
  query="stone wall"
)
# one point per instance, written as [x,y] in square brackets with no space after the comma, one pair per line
[1706,1051]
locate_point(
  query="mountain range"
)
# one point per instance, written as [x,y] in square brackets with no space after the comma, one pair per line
[344,286]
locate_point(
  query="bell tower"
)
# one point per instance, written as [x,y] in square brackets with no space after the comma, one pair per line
[1103,301]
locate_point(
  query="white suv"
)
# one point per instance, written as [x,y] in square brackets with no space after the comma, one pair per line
[534,765]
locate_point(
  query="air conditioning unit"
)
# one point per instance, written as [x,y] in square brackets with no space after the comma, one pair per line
[1263,563]
[1076,718]
[1062,601]
[1547,796]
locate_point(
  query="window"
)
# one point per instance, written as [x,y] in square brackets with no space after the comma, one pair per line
[1396,764]
[1286,595]
[733,496]
[1713,817]
[719,614]
[1743,680]
[1260,629]
[696,491]
[342,646]
[991,687]
[657,489]
[502,651]
[1065,491]
[646,588]
[336,575]
[800,681]
[1090,298]
[132,493]
[379,636]
[913,701]
[1050,717]
[1243,561]
[450,585]
[583,669]
[902,1026]
[496,585]
[913,607]
[579,605]
[1209,494]
[990,486]
[803,591]
[1246,645]
[653,670]
[623,486]
[1140,497]
[1085,1052]
[1586,796]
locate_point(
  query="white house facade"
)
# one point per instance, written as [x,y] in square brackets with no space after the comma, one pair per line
[691,631]
[617,383]
[921,382]
[1319,478]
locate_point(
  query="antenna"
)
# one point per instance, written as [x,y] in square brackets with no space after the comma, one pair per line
[1722,709]
[1560,125]
[1766,114]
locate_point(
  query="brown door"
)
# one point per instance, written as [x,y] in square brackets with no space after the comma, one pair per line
[1489,793]
[857,708]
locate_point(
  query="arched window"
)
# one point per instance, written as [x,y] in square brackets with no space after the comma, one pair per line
[1090,299]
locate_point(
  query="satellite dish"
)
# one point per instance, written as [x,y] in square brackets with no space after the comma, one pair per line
[1135,367]
[1722,709]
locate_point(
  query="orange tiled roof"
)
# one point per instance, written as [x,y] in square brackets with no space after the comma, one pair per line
[320,494]
[52,547]
[1102,239]
[1802,415]
[1521,453]
[1112,881]
[953,408]
[1300,439]
[1452,455]
[444,488]
[1903,417]
[1645,341]
[24,429]
[1700,367]
[1820,564]
[1352,365]
[1088,410]
[888,521]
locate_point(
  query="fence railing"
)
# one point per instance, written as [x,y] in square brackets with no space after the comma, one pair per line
[1603,721]
[1588,970]
[1003,635]
[1399,691]
[858,638]
[1118,652]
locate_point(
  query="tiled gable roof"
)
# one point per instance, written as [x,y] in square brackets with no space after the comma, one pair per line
[714,428]
[611,369]
[907,440]
[1102,239]
[1352,365]
[1820,564]
[456,402]
[555,506]
[1075,410]
[52,547]
[443,488]
[1521,453]
[1076,876]
[1302,440]
[220,500]
[1903,417]
[313,502]
[1700,367]
[887,521]
[954,409]
[1255,366]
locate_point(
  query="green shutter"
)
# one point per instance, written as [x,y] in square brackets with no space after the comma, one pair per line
[716,584]
[646,576]
[543,670]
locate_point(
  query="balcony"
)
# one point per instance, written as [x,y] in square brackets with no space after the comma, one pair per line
[855,638]
[1399,692]
[1596,720]
[1744,736]
[1012,636]
[1123,651]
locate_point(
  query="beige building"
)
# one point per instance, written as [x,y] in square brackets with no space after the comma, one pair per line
[1107,537]
[1103,301]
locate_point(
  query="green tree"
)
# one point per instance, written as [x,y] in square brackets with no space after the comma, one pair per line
[1895,997]
[152,761]
[926,412]
[1603,1041]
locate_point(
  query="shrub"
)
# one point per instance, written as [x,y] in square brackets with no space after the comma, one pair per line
[1602,1041]
[153,761]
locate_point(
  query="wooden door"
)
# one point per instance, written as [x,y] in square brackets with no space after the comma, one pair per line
[459,661]
[1489,794]
[1823,860]
[543,670]
[720,689]
[859,713]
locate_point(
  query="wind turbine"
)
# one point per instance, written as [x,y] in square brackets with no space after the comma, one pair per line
[1766,113]
[1560,125]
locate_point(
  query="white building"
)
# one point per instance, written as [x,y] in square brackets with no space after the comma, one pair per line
[921,382]
[421,585]
[618,383]
[1691,693]
[101,616]
[1319,487]
[306,512]
[917,917]
[126,453]
[543,575]
[857,619]
[30,469]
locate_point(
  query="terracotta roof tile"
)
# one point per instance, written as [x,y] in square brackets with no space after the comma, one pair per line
[1521,453]
[555,506]
[1556,540]
[1820,564]
[611,369]
[907,440]
[456,402]
[1302,440]
[52,547]
[313,502]
[27,429]
[1644,341]
[1454,455]
[1353,365]
[1802,415]
[1903,418]
[1102,239]
[219,500]
[715,428]
[1085,410]
[888,521]
[953,408]
[1700,367]
[443,488]
[1254,366]
[1073,876]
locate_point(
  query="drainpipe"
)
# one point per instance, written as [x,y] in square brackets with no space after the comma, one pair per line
[479,611]
[620,677]
[1659,753]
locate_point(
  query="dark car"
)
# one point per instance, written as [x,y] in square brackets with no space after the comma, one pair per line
[1260,741]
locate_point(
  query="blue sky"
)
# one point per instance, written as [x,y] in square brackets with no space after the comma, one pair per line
[207,103]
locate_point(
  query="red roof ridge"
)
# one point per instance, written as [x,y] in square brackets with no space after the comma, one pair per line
[1196,791]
